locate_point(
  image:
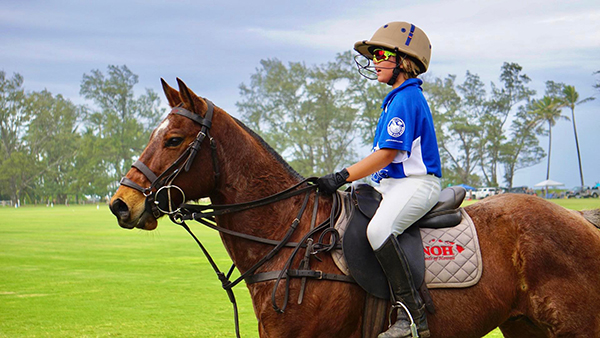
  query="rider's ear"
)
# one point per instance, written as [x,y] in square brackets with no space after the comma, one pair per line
[190,100]
[171,94]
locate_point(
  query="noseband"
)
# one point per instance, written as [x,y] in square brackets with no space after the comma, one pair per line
[158,194]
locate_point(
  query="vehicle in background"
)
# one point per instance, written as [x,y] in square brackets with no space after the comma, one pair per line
[482,193]
[583,192]
[519,190]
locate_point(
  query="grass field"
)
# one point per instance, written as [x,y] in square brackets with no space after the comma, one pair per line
[72,272]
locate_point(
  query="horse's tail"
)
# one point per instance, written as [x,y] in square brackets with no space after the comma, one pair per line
[592,216]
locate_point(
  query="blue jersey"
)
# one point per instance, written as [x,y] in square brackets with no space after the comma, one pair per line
[406,124]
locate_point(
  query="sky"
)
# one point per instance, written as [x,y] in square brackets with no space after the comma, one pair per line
[216,46]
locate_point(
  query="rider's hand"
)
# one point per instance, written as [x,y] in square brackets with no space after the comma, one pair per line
[330,183]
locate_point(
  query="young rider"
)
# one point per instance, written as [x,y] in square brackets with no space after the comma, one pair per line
[405,161]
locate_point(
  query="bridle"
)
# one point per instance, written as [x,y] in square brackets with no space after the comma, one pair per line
[159,202]
[156,203]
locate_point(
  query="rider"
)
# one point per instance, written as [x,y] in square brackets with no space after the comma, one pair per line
[405,160]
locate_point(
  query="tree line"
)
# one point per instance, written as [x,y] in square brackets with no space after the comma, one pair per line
[52,150]
[317,117]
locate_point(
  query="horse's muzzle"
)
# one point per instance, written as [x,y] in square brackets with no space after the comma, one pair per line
[128,219]
[120,209]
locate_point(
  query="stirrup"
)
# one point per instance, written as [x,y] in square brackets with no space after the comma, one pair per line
[413,326]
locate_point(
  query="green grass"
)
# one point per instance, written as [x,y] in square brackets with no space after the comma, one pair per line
[72,272]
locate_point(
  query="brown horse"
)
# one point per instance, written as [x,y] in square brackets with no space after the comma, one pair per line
[541,272]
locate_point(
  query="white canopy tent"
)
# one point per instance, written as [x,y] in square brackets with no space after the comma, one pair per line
[548,183]
[545,185]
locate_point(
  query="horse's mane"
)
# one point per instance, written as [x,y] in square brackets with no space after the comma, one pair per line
[269,149]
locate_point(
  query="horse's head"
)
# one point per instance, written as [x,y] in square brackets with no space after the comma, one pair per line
[165,163]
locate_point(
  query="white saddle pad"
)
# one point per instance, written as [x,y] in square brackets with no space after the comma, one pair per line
[452,255]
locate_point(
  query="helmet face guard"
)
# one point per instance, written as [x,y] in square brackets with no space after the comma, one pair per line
[366,67]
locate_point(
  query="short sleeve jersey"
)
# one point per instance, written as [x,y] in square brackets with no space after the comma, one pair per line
[406,124]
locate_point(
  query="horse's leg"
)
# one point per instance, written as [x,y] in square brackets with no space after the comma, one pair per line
[521,327]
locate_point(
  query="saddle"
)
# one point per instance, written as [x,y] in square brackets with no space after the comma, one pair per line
[360,202]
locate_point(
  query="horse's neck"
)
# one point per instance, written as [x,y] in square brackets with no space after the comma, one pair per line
[249,172]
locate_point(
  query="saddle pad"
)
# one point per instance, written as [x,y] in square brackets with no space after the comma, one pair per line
[452,255]
[341,224]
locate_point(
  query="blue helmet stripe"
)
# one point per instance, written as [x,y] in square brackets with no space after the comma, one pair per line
[410,35]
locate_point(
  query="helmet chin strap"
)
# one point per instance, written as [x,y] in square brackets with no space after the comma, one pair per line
[397,69]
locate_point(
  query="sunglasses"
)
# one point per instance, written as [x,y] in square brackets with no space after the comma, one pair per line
[380,55]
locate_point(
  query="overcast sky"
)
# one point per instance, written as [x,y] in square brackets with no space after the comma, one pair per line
[215,46]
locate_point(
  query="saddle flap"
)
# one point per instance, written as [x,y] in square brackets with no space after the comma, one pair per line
[360,258]
[366,198]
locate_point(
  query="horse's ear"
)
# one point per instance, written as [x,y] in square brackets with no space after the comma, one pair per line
[190,100]
[171,94]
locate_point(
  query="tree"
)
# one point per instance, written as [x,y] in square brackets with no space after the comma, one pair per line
[503,101]
[14,158]
[305,113]
[522,150]
[90,169]
[39,142]
[53,137]
[471,127]
[456,125]
[123,122]
[570,98]
[548,109]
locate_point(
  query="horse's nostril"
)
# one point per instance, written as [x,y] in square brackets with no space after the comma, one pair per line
[120,209]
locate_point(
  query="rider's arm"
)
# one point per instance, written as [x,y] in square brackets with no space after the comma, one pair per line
[372,163]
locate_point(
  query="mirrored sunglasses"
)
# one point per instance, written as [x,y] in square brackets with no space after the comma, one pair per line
[380,55]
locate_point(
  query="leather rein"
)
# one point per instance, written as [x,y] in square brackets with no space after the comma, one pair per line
[159,202]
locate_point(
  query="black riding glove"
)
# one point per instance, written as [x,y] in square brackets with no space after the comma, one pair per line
[330,183]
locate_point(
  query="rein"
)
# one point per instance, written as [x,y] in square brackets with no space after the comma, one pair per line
[201,214]
[159,202]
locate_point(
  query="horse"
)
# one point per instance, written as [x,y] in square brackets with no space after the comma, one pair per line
[541,271]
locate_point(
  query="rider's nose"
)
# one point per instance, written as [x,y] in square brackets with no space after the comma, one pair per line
[120,209]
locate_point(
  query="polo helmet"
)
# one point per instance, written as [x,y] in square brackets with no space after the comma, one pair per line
[399,36]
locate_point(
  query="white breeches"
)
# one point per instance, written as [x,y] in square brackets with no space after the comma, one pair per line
[405,200]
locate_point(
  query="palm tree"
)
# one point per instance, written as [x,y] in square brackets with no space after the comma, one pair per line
[548,109]
[571,99]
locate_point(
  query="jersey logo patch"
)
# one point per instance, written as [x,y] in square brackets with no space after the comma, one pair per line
[396,127]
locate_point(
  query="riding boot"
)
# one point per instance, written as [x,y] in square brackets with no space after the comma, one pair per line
[403,292]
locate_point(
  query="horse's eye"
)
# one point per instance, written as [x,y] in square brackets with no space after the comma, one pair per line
[173,141]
